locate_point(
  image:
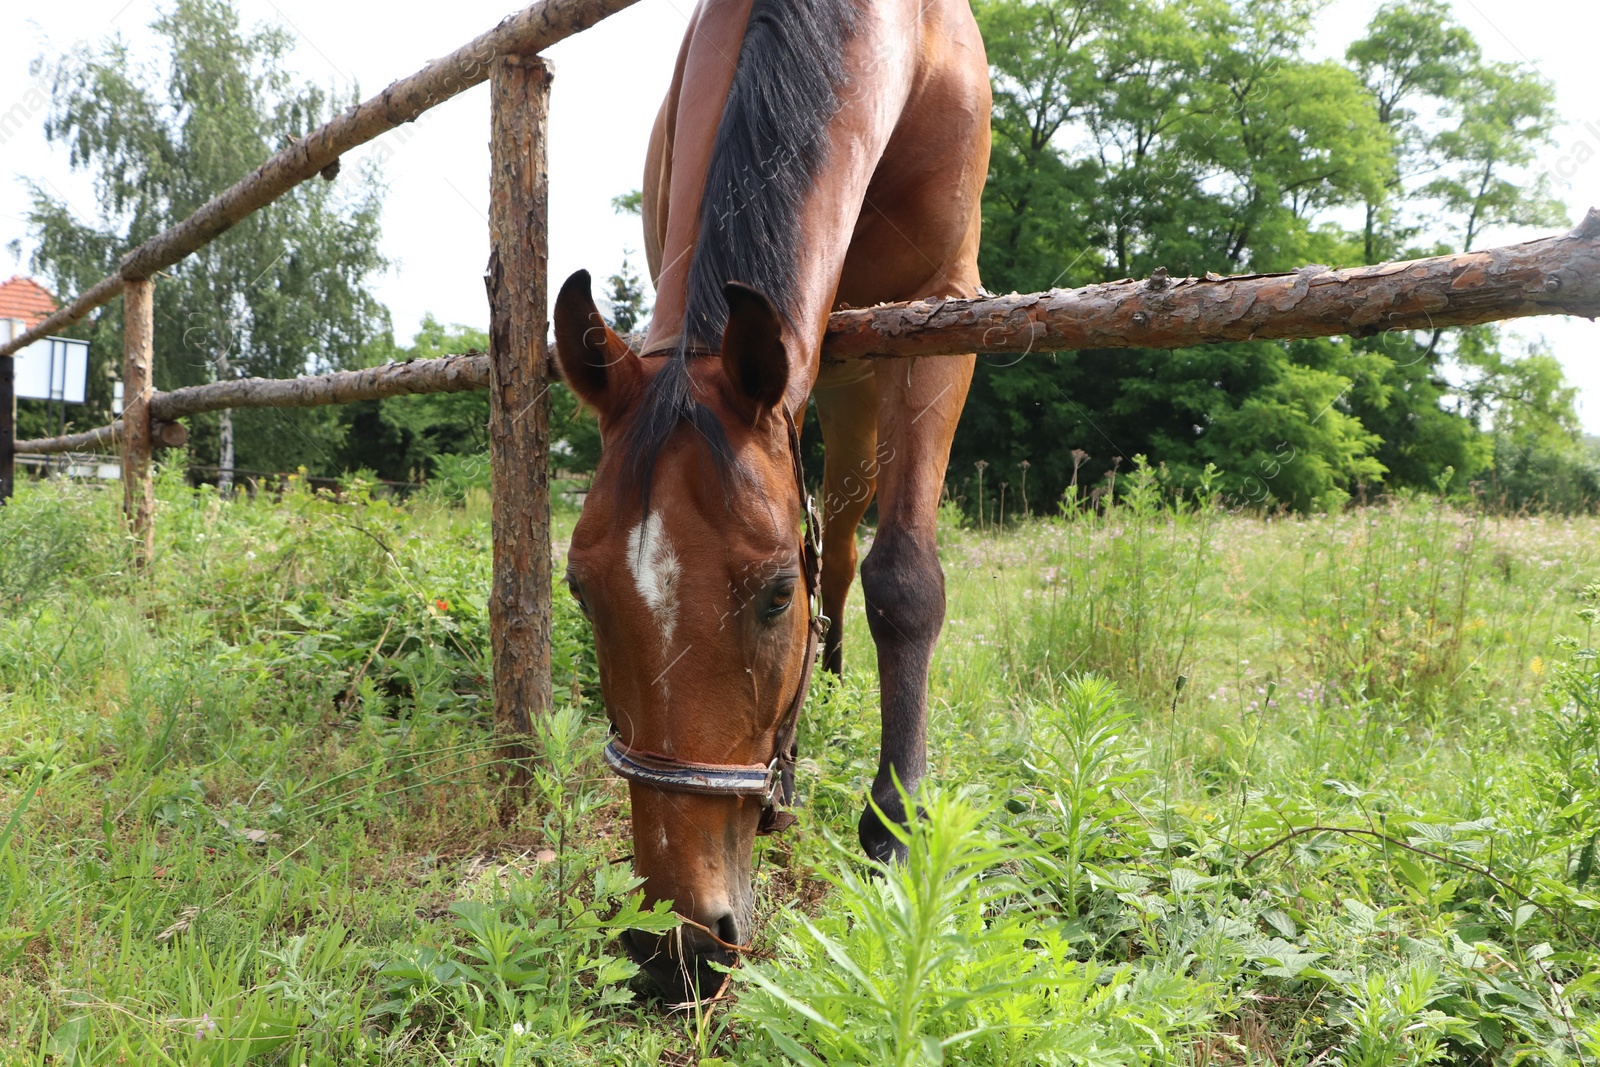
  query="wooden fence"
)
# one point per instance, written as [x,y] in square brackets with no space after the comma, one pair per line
[1553,275]
[517,365]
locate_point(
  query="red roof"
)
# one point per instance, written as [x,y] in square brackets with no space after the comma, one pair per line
[25,299]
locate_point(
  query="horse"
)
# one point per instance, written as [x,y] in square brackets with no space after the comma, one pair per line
[810,155]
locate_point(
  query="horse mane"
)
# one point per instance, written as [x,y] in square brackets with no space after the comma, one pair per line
[770,143]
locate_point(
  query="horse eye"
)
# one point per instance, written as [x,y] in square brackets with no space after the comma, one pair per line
[782,597]
[572,587]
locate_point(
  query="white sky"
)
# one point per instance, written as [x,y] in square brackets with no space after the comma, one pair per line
[609,83]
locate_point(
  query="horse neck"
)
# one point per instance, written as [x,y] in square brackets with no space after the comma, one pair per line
[880,59]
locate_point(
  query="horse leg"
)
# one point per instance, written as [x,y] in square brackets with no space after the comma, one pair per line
[848,413]
[919,404]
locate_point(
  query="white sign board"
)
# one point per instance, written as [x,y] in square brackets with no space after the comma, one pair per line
[56,368]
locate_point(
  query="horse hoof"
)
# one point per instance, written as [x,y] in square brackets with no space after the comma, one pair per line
[877,842]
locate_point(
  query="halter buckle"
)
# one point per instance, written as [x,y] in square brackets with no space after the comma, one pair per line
[774,779]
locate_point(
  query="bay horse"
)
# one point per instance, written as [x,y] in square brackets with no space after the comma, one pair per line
[810,155]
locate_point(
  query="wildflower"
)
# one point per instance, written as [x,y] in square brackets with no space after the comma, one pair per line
[518,1029]
[442,604]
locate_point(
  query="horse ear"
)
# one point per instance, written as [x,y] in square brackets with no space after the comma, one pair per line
[753,356]
[588,353]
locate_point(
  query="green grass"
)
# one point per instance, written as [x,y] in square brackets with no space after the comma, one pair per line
[1207,788]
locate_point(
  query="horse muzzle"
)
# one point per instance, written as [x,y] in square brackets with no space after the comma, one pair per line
[688,965]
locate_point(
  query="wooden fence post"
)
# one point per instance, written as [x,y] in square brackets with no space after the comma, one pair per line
[519,411]
[138,494]
[8,428]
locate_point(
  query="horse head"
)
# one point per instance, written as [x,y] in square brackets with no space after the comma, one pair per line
[689,562]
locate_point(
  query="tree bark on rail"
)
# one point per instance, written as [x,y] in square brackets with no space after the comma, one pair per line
[1557,275]
[105,439]
[447,374]
[138,493]
[519,409]
[530,30]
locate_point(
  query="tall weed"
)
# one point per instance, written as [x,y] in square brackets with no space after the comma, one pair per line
[929,962]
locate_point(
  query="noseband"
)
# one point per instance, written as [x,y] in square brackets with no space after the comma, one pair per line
[772,781]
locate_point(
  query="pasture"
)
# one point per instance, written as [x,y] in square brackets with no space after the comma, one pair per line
[1206,788]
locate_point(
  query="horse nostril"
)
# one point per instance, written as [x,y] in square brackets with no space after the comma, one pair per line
[726,929]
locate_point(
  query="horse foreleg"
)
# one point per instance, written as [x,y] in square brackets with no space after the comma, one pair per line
[901,580]
[848,413]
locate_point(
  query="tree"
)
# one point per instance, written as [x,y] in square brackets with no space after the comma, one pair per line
[630,311]
[401,438]
[1191,135]
[1539,455]
[1504,115]
[1414,55]
[1197,135]
[1465,133]
[281,293]
[1045,59]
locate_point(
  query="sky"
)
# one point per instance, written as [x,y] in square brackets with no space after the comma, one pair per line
[608,85]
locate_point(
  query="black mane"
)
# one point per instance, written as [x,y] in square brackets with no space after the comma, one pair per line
[770,143]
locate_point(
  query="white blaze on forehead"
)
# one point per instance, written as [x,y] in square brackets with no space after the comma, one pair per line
[655,572]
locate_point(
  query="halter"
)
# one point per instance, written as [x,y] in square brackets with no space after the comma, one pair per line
[772,781]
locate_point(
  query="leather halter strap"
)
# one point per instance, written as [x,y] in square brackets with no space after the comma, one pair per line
[772,781]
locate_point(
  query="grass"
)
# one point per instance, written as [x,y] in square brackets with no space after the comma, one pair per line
[1210,788]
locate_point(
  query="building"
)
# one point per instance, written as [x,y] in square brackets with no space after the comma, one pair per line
[24,303]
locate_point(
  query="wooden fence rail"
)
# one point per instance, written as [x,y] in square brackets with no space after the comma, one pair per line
[1556,275]
[447,374]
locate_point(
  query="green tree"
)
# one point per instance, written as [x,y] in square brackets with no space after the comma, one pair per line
[1280,138]
[281,293]
[1539,454]
[1045,59]
[401,437]
[1505,114]
[1192,135]
[630,311]
[1466,132]
[1197,135]
[1414,56]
